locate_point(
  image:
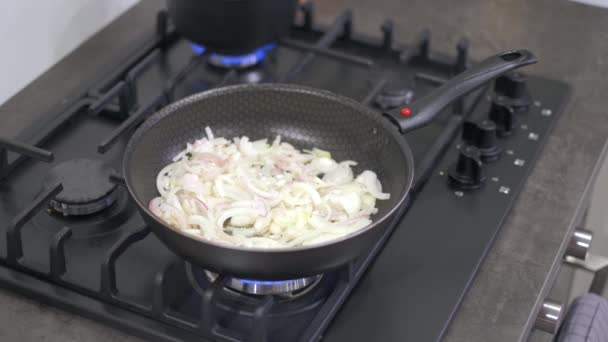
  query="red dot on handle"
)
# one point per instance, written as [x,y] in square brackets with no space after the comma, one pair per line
[406,112]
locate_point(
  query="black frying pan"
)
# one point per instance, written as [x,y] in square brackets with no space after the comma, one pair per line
[305,117]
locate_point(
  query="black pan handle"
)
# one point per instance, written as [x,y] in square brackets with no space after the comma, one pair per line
[421,112]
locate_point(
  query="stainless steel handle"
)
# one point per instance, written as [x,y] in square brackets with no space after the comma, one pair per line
[578,256]
[579,244]
[549,317]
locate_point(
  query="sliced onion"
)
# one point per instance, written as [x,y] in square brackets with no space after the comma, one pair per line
[163,178]
[342,174]
[224,216]
[314,195]
[371,182]
[324,165]
[242,193]
[209,157]
[351,202]
[154,206]
[209,133]
[199,200]
[246,147]
[255,190]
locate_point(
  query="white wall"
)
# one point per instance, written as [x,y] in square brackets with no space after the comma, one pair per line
[35,34]
[600,3]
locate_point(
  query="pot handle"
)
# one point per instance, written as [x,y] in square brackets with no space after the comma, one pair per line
[423,111]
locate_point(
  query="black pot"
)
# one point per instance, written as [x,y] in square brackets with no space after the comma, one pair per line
[232,27]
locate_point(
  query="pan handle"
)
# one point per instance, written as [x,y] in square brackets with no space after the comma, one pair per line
[421,112]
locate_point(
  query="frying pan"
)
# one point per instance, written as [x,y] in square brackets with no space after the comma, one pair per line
[305,117]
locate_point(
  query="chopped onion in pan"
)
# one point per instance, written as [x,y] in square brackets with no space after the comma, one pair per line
[255,194]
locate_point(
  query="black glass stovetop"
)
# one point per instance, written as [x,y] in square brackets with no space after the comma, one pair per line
[109,267]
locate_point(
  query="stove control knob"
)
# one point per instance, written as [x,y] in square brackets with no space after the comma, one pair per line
[503,116]
[513,86]
[396,94]
[549,317]
[467,173]
[483,136]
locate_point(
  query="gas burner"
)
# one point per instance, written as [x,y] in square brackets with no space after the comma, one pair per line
[289,288]
[236,62]
[396,93]
[86,187]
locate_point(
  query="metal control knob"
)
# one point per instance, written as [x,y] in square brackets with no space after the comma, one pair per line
[512,85]
[483,136]
[503,116]
[467,173]
[396,94]
[549,317]
[579,244]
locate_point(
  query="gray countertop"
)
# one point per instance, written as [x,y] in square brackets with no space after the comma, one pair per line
[571,41]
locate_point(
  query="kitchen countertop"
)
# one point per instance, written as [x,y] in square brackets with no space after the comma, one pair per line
[571,41]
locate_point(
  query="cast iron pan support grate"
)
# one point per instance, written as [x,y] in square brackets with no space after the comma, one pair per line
[24,150]
[14,243]
[57,253]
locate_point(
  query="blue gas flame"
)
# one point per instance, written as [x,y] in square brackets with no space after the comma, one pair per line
[247,59]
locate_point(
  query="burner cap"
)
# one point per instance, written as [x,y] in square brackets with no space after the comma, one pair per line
[396,93]
[86,186]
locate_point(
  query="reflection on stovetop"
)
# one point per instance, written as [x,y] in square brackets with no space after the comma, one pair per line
[74,227]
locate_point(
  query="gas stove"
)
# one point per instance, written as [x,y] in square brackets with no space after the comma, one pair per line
[75,240]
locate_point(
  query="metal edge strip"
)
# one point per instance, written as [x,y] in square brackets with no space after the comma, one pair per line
[558,260]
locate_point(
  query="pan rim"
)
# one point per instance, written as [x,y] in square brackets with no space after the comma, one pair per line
[168,110]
